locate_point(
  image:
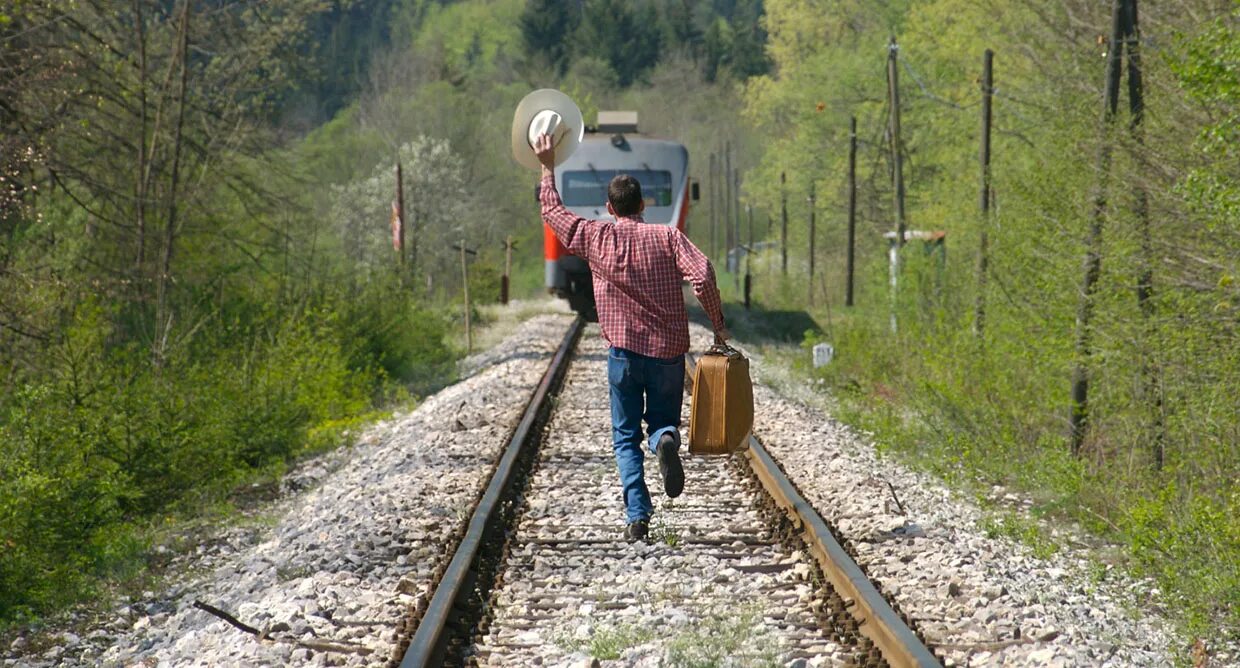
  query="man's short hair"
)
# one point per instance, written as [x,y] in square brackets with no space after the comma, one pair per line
[625,195]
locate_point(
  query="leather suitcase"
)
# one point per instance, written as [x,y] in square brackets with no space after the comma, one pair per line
[721,410]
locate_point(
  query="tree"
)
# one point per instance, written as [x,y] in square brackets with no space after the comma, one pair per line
[747,54]
[715,49]
[683,34]
[629,42]
[546,26]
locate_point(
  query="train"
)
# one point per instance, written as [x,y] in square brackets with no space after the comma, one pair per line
[614,146]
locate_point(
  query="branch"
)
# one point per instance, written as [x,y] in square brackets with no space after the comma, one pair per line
[320,645]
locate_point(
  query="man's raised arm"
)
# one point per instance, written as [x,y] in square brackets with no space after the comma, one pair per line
[569,228]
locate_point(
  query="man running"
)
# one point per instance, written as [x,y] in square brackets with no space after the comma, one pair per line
[637,271]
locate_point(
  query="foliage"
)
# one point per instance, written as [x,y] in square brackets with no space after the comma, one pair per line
[1209,72]
[613,32]
[545,27]
[193,293]
[993,406]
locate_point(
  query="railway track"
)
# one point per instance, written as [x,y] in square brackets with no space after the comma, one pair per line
[738,570]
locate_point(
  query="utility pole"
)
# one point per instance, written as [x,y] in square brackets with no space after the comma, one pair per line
[979,317]
[748,253]
[783,221]
[400,215]
[811,243]
[504,282]
[897,170]
[714,212]
[727,203]
[1079,418]
[736,222]
[1145,276]
[469,333]
[852,206]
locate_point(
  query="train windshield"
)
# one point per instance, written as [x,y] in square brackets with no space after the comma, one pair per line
[589,188]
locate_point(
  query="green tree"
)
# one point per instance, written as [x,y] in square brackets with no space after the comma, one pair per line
[747,55]
[628,41]
[715,46]
[683,34]
[546,27]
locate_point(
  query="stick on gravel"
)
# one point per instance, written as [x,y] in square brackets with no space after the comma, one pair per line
[322,646]
[227,617]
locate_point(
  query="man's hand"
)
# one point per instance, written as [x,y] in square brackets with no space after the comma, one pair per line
[544,148]
[722,336]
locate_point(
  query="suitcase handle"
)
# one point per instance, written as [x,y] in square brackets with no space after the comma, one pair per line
[725,350]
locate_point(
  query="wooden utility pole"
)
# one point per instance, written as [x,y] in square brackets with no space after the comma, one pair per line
[897,171]
[400,216]
[852,206]
[504,281]
[714,212]
[897,156]
[979,316]
[1145,275]
[736,223]
[748,253]
[163,309]
[1092,266]
[783,221]
[140,181]
[727,203]
[469,332]
[811,243]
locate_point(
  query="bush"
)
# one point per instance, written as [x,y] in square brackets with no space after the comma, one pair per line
[106,440]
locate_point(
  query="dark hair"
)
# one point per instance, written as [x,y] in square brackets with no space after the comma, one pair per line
[625,195]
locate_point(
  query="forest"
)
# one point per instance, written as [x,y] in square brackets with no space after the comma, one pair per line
[198,285]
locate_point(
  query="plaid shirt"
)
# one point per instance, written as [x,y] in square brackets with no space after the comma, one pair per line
[637,277]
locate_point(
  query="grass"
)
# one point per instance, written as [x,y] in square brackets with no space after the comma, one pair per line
[1021,529]
[606,642]
[925,410]
[660,530]
[722,642]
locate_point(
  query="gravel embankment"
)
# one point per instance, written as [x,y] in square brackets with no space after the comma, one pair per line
[979,600]
[334,578]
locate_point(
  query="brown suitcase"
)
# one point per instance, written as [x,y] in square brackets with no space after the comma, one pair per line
[721,411]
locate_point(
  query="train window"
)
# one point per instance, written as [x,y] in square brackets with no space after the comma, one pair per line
[589,188]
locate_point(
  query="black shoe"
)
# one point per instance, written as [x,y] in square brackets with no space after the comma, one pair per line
[669,466]
[637,530]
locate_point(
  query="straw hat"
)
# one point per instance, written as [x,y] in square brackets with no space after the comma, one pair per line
[549,111]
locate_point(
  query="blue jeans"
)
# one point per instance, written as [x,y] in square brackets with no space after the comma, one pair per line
[649,388]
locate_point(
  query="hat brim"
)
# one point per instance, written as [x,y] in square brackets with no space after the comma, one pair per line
[539,100]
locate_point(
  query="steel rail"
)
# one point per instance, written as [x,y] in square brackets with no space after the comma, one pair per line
[875,617]
[429,642]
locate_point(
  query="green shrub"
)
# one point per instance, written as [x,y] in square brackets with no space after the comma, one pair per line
[106,440]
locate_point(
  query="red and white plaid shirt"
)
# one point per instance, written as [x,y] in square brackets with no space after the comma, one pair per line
[637,276]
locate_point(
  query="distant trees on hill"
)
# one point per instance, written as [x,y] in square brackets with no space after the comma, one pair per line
[631,38]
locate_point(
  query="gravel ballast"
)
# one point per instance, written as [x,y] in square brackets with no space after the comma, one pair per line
[335,577]
[353,545]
